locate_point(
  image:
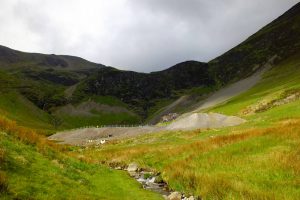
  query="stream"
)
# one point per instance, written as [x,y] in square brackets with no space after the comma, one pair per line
[151,182]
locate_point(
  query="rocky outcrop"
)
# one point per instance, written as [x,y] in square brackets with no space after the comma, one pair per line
[271,102]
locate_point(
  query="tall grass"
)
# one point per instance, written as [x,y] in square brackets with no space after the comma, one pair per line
[3,179]
[211,174]
[29,136]
[3,183]
[35,168]
[2,155]
[258,163]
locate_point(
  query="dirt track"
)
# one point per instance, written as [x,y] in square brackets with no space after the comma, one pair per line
[86,136]
[91,136]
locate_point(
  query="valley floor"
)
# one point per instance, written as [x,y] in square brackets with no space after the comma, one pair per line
[256,160]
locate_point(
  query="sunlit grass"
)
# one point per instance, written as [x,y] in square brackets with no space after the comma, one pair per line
[33,167]
[256,160]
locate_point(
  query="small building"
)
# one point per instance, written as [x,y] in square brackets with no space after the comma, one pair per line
[169,117]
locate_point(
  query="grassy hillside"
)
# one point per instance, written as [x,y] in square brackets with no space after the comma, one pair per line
[44,80]
[96,111]
[257,160]
[33,168]
[34,102]
[18,108]
[33,87]
[15,106]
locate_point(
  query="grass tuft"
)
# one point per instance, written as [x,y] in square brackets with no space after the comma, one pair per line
[3,183]
[2,156]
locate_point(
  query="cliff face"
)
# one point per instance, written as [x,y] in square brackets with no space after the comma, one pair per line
[131,86]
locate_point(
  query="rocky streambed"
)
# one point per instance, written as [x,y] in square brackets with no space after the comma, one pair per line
[149,180]
[152,181]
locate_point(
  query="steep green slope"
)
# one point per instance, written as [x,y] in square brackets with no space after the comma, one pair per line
[278,84]
[15,106]
[18,108]
[276,41]
[46,107]
[96,111]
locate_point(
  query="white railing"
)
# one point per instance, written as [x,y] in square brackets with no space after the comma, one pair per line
[112,126]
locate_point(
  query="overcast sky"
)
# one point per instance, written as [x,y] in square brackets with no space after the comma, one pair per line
[141,35]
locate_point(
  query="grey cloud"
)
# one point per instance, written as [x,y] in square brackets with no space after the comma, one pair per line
[141,35]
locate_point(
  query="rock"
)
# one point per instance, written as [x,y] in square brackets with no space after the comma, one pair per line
[174,196]
[165,197]
[151,180]
[158,179]
[134,174]
[132,167]
[102,141]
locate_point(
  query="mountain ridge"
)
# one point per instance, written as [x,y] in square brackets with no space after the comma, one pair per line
[47,77]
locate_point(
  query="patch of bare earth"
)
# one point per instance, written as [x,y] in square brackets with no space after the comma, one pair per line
[87,108]
[90,136]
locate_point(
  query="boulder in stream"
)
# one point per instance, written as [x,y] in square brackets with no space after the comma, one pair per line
[174,196]
[132,167]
